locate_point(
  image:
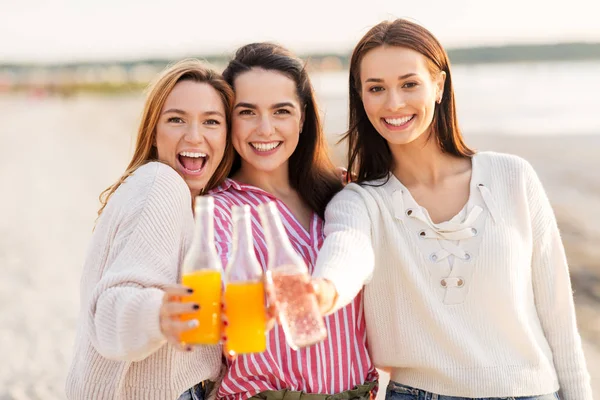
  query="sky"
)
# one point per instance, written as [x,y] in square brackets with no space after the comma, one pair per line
[84,30]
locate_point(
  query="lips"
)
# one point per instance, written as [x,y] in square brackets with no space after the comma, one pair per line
[399,121]
[192,162]
[265,146]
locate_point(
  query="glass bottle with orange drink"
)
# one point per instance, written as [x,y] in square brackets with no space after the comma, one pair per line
[201,272]
[244,291]
[299,313]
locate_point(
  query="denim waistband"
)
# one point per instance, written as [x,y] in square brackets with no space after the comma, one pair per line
[407,391]
[360,392]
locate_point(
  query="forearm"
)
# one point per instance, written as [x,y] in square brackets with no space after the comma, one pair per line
[126,323]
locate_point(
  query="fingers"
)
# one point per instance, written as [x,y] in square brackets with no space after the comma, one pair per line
[173,309]
[174,292]
[326,294]
[172,330]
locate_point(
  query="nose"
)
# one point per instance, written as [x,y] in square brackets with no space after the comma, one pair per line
[395,100]
[265,126]
[194,133]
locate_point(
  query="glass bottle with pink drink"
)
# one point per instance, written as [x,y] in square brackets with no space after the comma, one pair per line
[299,313]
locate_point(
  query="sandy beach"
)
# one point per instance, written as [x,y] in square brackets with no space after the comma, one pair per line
[57,155]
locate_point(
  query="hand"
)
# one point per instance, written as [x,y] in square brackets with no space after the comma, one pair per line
[343,173]
[170,311]
[344,176]
[326,294]
[272,310]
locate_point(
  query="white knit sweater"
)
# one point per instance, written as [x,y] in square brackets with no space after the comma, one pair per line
[478,306]
[137,247]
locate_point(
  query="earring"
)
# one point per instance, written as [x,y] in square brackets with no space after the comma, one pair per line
[439,101]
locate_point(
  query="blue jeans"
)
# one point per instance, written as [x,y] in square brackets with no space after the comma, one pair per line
[396,391]
[194,393]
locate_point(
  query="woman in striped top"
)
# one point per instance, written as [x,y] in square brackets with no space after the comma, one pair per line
[282,157]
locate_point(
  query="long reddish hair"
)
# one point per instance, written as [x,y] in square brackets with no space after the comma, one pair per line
[159,90]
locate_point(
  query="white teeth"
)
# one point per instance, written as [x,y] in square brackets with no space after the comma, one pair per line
[265,146]
[192,155]
[398,121]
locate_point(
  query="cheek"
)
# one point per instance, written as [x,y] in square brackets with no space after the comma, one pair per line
[164,141]
[371,105]
[218,140]
[239,133]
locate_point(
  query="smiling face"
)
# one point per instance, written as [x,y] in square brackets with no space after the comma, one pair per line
[191,133]
[399,93]
[267,119]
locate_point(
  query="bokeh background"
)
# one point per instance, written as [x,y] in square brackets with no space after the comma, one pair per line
[72,74]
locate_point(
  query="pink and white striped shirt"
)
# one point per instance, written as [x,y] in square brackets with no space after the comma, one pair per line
[335,365]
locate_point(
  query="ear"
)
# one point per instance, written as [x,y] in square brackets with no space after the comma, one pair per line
[440,82]
[302,118]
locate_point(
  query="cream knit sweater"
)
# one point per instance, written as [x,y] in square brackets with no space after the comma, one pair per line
[137,247]
[478,306]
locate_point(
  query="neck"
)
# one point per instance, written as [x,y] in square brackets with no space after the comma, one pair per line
[276,182]
[422,162]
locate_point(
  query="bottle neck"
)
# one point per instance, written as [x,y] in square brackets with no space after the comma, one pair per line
[204,238]
[281,252]
[243,242]
[202,254]
[243,265]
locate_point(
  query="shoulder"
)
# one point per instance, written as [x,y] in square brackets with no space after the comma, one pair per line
[160,182]
[502,162]
[366,194]
[153,185]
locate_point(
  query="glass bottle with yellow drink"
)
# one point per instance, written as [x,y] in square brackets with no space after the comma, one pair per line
[244,291]
[201,272]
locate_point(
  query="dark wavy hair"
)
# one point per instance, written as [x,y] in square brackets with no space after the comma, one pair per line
[311,171]
[369,155]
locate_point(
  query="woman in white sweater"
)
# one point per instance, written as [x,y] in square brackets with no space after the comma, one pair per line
[467,290]
[128,331]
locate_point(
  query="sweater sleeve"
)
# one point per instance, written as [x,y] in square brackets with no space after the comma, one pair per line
[346,258]
[554,296]
[144,255]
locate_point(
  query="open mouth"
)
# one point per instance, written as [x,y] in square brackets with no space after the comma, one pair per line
[262,147]
[192,162]
[398,122]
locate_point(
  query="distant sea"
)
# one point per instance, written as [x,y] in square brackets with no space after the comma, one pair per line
[558,98]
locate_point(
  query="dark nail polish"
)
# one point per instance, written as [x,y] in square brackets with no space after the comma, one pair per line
[189,348]
[190,291]
[196,307]
[225,323]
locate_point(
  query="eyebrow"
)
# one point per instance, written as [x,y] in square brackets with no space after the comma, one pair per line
[399,78]
[253,107]
[181,112]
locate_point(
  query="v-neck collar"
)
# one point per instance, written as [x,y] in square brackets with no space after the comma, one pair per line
[293,226]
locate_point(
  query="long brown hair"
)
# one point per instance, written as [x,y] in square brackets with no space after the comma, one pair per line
[158,91]
[311,171]
[369,155]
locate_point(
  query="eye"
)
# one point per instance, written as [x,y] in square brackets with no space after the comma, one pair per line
[282,111]
[410,85]
[212,122]
[246,112]
[175,120]
[376,89]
